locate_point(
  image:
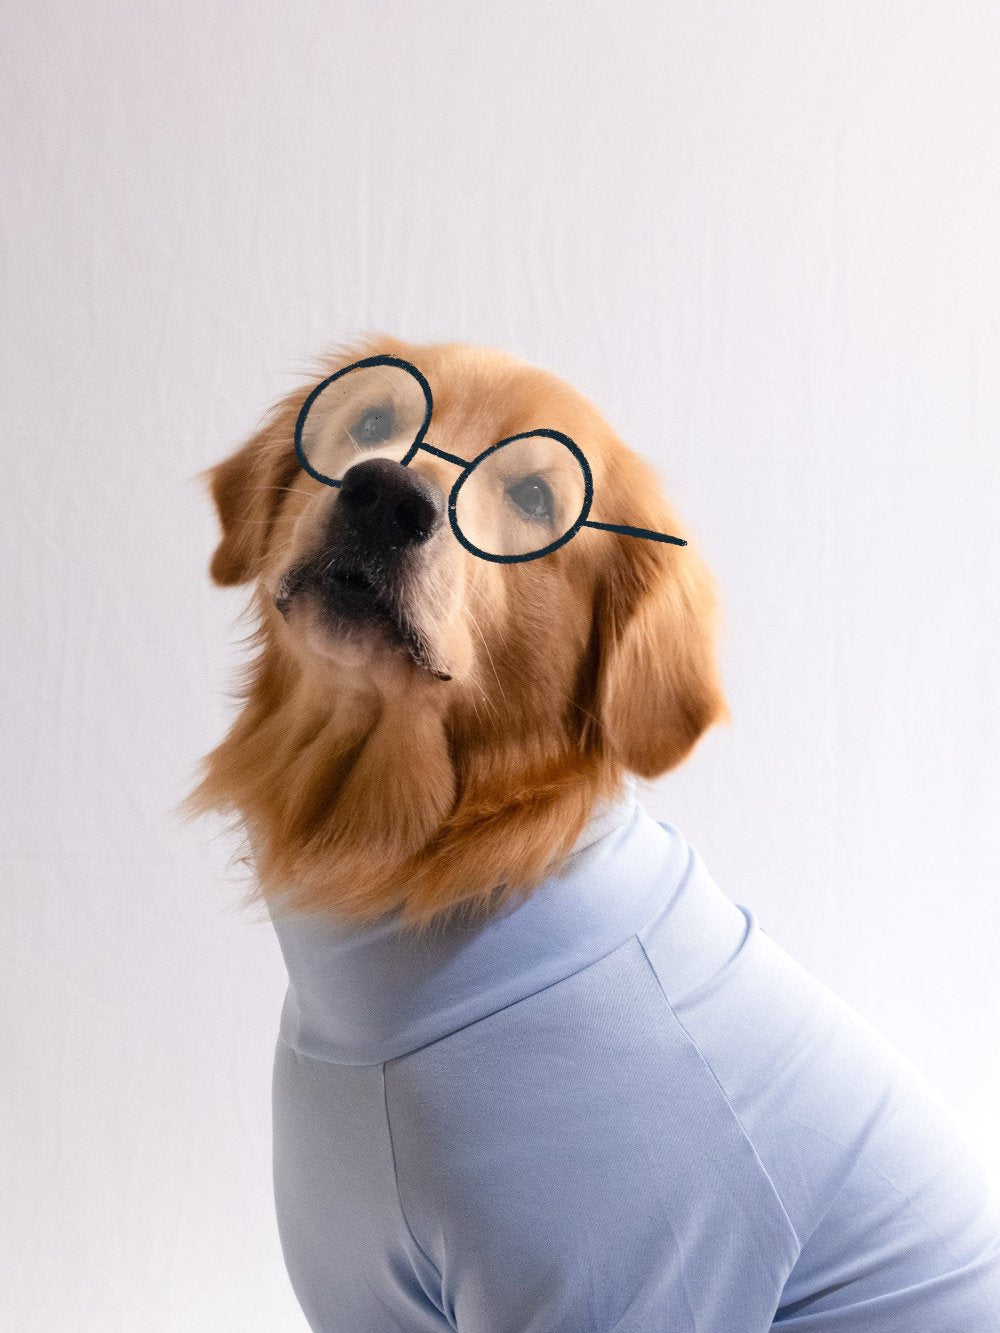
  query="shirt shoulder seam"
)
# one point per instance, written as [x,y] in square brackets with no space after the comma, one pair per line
[399,1198]
[722,1091]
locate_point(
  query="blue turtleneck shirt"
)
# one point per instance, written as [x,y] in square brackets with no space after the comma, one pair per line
[617,1107]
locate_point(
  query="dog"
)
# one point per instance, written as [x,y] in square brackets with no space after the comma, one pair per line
[535,1072]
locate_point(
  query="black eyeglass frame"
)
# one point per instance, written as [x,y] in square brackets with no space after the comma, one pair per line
[468,467]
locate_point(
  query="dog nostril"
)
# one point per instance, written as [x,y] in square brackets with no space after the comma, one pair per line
[361,495]
[415,516]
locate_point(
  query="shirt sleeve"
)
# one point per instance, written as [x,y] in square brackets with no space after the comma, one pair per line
[570,1163]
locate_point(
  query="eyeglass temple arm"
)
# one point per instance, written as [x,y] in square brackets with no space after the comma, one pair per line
[634,532]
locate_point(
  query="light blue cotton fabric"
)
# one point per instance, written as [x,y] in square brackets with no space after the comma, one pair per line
[619,1106]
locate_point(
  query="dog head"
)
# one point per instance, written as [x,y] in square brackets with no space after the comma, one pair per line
[435,707]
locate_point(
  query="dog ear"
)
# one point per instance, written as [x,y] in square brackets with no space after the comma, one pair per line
[247,489]
[658,687]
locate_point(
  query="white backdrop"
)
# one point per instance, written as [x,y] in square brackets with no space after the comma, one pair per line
[763,237]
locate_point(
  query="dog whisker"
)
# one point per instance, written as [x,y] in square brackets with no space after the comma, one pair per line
[488,654]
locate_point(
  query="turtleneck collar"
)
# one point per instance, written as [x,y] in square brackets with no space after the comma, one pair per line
[361,997]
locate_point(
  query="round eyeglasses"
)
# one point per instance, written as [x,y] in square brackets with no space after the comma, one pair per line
[518,500]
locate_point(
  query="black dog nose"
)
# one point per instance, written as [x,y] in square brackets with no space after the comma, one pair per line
[391,503]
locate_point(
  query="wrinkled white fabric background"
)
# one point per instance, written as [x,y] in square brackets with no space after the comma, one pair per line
[763,237]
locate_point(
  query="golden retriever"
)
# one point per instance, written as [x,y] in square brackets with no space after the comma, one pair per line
[422,728]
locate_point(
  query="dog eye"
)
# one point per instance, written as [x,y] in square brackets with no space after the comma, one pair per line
[374,426]
[533,497]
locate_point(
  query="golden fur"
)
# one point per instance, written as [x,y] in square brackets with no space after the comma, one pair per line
[364,783]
